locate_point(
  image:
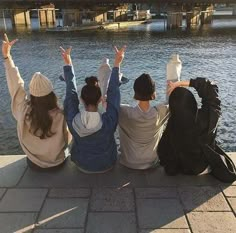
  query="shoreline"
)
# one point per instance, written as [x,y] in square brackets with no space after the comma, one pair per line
[113,25]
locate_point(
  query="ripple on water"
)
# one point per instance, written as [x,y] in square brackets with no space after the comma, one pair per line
[208,53]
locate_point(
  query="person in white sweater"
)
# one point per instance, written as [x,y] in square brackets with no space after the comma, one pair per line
[41,126]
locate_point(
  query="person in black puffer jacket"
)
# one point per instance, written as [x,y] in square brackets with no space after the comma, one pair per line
[189,128]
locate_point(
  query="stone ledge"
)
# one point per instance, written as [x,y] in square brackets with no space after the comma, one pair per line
[15,173]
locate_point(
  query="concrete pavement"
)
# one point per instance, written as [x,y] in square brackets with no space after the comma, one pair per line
[120,201]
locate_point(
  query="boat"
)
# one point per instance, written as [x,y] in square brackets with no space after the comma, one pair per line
[73,28]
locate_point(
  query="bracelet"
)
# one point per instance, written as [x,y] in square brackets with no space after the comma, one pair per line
[5,58]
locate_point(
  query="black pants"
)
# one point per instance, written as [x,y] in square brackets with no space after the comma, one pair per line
[35,167]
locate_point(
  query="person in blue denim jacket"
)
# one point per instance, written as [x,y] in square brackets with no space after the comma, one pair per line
[94,149]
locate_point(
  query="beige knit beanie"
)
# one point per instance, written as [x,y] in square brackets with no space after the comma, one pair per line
[40,85]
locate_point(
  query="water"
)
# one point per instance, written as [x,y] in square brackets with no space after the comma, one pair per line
[207,52]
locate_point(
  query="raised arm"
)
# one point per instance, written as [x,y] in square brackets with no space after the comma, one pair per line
[14,81]
[208,91]
[113,92]
[71,103]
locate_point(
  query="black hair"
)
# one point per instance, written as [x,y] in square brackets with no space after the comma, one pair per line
[183,107]
[182,124]
[144,88]
[91,92]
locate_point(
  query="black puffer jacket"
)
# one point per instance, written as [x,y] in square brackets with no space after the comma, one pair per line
[180,149]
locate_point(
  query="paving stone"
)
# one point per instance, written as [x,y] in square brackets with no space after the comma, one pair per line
[22,200]
[121,176]
[232,202]
[229,191]
[17,222]
[109,199]
[165,231]
[68,176]
[77,192]
[212,222]
[63,213]
[111,223]
[2,191]
[12,168]
[59,231]
[162,192]
[160,213]
[158,177]
[203,199]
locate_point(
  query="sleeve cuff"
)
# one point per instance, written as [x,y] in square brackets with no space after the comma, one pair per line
[9,63]
[67,68]
[115,75]
[192,83]
[117,69]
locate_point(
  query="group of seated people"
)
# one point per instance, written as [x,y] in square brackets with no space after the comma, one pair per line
[172,135]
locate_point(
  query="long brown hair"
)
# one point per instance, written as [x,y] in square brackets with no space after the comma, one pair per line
[41,121]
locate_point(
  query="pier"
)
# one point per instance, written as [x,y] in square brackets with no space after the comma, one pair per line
[120,201]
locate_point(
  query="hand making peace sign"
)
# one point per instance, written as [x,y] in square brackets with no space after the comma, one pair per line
[66,55]
[119,56]
[6,46]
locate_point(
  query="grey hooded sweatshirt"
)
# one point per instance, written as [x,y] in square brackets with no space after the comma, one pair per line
[140,133]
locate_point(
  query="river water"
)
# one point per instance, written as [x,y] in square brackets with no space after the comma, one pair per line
[207,52]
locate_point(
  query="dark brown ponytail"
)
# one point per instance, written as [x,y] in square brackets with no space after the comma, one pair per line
[91,92]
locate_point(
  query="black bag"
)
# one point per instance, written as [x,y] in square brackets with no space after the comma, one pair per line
[222,166]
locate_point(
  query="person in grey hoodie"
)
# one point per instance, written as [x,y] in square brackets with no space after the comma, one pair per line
[141,127]
[94,149]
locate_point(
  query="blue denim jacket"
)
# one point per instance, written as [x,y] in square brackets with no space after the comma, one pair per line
[98,151]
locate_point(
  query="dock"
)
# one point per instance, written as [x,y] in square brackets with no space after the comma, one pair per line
[120,201]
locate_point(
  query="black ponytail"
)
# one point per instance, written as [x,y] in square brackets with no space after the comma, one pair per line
[91,92]
[91,81]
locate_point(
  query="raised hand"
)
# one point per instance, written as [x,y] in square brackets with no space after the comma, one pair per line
[6,46]
[119,55]
[172,86]
[66,55]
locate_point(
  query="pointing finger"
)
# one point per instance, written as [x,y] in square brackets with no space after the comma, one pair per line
[123,48]
[68,51]
[62,50]
[13,42]
[116,49]
[6,38]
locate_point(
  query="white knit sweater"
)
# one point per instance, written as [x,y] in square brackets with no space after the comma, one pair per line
[47,152]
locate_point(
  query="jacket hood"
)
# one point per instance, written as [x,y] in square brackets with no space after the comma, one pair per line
[86,123]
